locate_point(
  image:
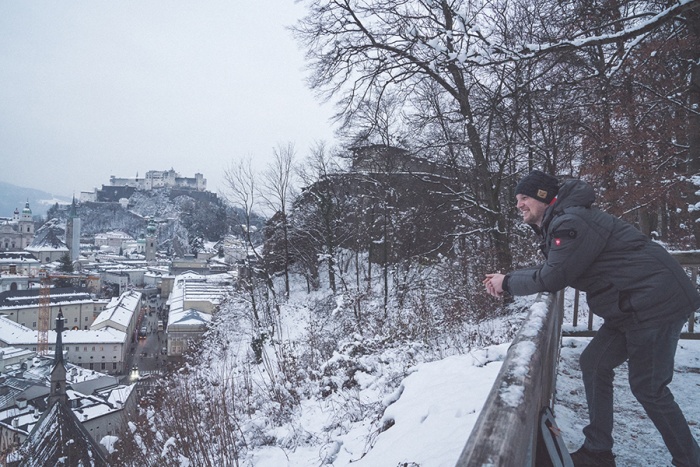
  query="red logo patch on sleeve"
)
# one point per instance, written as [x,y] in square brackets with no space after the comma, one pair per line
[558,236]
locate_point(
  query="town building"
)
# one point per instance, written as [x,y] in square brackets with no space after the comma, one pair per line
[103,350]
[17,233]
[79,306]
[123,278]
[12,356]
[115,240]
[19,263]
[11,282]
[103,341]
[189,262]
[122,313]
[193,300]
[47,246]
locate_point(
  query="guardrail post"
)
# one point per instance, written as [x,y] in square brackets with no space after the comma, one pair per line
[694,278]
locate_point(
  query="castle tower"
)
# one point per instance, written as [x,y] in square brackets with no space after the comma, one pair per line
[151,241]
[73,233]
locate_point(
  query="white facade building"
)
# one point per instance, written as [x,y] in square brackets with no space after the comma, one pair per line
[192,301]
[104,349]
[20,262]
[11,282]
[17,233]
[79,308]
[114,239]
[121,313]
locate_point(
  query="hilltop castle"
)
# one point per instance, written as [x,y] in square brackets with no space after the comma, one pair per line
[123,187]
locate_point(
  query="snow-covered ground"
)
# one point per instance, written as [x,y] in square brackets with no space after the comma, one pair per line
[637,443]
[433,411]
[440,402]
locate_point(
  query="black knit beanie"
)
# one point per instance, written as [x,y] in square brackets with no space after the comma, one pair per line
[538,185]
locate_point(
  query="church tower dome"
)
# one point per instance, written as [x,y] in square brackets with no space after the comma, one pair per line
[26,213]
[151,241]
[25,225]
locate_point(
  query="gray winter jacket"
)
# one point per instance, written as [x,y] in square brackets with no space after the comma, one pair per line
[629,280]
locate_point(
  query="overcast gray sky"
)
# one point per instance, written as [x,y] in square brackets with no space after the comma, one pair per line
[90,89]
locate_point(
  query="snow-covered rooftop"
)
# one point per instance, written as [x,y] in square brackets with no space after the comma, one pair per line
[30,298]
[120,310]
[190,317]
[190,287]
[15,334]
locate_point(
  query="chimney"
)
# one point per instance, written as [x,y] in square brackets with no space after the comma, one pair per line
[21,402]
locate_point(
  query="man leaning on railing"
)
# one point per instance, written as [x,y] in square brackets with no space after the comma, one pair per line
[634,284]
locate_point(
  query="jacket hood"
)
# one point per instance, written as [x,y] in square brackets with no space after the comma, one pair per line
[574,193]
[571,193]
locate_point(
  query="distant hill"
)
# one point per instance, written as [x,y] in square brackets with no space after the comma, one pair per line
[12,196]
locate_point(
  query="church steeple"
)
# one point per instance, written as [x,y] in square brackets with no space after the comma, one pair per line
[151,241]
[58,372]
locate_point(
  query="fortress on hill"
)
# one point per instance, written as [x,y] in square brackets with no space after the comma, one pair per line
[161,179]
[121,187]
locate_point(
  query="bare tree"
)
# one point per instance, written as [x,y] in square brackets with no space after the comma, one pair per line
[361,51]
[277,191]
[254,277]
[479,75]
[320,220]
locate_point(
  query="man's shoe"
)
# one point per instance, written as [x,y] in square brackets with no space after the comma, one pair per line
[587,458]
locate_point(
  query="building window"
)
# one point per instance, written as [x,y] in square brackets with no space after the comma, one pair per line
[104,365]
[114,365]
[34,324]
[85,349]
[75,320]
[77,349]
[93,348]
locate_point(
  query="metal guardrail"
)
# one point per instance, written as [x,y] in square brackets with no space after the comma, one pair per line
[690,260]
[506,433]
